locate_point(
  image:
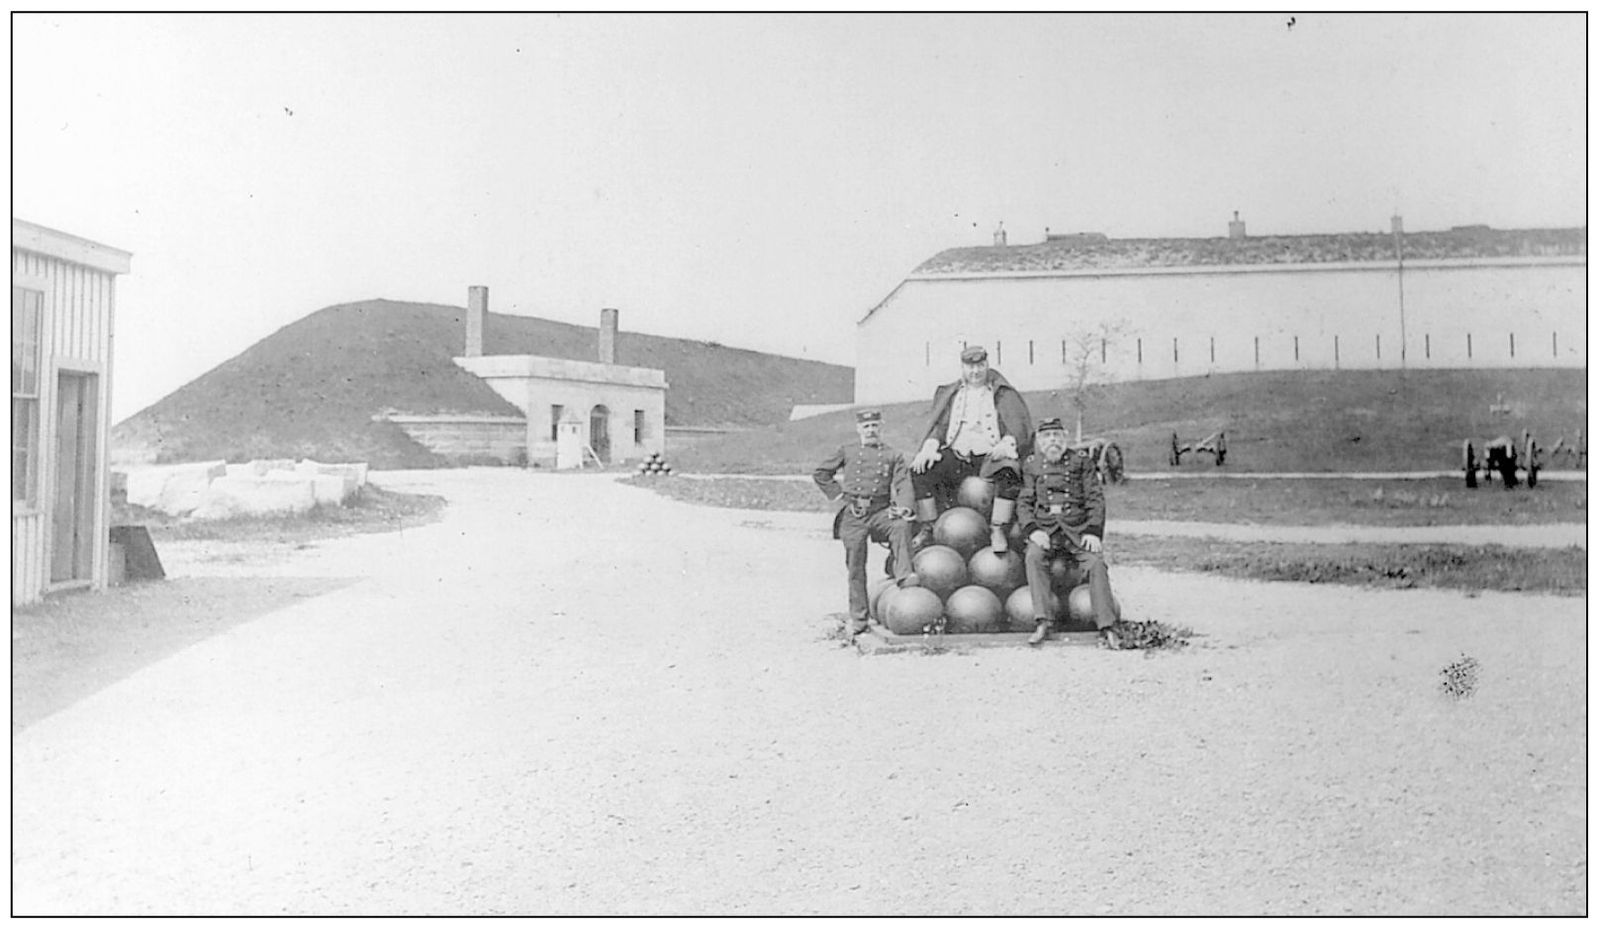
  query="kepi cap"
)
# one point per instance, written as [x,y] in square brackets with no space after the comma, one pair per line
[974,354]
[1050,423]
[868,416]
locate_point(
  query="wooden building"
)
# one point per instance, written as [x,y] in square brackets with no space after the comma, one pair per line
[63,292]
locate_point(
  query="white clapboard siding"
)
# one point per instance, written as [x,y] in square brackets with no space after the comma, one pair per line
[78,278]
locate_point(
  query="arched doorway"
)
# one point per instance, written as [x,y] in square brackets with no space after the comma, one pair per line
[600,439]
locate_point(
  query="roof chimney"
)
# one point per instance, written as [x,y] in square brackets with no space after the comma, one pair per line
[1238,226]
[609,336]
[478,316]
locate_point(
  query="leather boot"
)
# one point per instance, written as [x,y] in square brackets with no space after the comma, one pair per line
[927,513]
[1042,629]
[1001,516]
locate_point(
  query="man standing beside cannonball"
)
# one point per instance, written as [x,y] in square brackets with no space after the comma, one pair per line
[979,425]
[1061,509]
[878,505]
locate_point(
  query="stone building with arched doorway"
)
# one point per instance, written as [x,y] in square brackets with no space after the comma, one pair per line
[620,410]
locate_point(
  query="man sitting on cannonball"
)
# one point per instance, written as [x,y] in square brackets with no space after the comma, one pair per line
[1061,510]
[979,425]
[879,506]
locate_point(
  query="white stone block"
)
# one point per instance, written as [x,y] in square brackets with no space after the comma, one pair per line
[245,495]
[263,466]
[332,489]
[173,489]
[356,471]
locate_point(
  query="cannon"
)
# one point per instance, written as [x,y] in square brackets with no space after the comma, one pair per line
[1213,445]
[1505,457]
[1107,455]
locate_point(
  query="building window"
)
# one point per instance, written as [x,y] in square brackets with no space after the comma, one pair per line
[1469,344]
[1032,351]
[1211,357]
[1296,350]
[27,311]
[1427,345]
[1555,344]
[1138,351]
[1510,345]
[1377,345]
[1336,341]
[640,427]
[999,351]
[926,355]
[557,410]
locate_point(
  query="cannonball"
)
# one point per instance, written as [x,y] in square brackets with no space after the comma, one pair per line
[1065,573]
[976,493]
[876,589]
[941,569]
[963,529]
[909,610]
[1002,573]
[1020,610]
[1079,611]
[973,609]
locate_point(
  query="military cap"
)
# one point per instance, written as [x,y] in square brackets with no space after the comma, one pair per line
[868,416]
[1050,423]
[974,354]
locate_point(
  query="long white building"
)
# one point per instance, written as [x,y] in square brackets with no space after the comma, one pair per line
[1124,309]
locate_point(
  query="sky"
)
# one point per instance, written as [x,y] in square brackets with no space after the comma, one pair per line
[758,180]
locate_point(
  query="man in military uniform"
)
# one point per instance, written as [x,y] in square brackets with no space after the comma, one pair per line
[1061,510]
[878,505]
[979,425]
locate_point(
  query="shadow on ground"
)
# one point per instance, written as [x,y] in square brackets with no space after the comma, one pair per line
[73,645]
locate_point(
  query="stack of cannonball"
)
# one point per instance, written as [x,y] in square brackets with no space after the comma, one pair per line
[973,589]
[655,464]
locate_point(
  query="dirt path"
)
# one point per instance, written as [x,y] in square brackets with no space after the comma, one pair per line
[577,697]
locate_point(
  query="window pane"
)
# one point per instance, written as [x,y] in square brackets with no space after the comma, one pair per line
[25,312]
[23,441]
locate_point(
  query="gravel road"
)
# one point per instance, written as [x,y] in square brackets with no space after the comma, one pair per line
[573,696]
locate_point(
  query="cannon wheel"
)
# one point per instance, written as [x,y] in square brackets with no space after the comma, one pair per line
[1531,467]
[1112,469]
[1469,465]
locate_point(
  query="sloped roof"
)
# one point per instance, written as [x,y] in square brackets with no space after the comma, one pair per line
[1089,253]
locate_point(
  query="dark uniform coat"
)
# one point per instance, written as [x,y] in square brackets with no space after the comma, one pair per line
[1012,415]
[871,477]
[1062,496]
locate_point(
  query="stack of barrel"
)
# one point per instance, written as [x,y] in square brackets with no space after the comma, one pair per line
[965,587]
[655,464]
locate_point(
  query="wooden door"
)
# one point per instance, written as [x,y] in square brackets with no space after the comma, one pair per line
[72,511]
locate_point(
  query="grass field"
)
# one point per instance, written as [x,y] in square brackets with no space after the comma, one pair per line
[1276,502]
[372,510]
[1312,421]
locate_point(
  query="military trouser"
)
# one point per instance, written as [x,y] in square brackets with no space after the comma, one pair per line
[948,472]
[855,533]
[1092,568]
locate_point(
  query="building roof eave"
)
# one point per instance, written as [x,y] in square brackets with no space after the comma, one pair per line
[53,243]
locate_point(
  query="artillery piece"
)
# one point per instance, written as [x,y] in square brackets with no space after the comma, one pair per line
[1505,457]
[1107,455]
[1209,445]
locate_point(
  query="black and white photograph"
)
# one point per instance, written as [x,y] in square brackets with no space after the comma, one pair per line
[623,464]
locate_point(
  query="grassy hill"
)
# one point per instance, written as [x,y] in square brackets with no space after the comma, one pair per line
[312,388]
[1277,421]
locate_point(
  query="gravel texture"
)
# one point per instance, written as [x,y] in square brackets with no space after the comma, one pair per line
[576,697]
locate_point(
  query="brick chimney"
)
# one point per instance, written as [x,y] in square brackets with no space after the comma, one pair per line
[1238,226]
[478,317]
[609,337]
